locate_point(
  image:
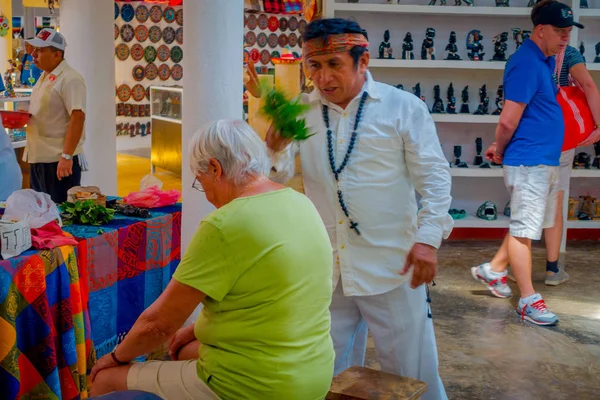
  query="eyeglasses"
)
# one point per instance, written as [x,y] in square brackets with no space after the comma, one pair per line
[197,185]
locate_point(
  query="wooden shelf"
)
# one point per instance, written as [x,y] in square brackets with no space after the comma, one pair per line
[585,173]
[476,172]
[593,66]
[589,13]
[466,118]
[437,64]
[433,10]
[576,224]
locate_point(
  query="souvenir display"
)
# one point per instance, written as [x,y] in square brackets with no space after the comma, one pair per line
[169,15]
[263,22]
[177,72]
[273,40]
[469,3]
[176,54]
[519,36]
[457,161]
[506,211]
[273,24]
[117,11]
[487,211]
[293,24]
[122,51]
[464,96]
[283,40]
[151,71]
[163,53]
[484,101]
[474,45]
[478,161]
[250,38]
[127,12]
[432,2]
[499,100]
[283,24]
[150,54]
[138,73]
[164,72]
[137,52]
[292,40]
[408,47]
[502,3]
[265,57]
[582,161]
[452,48]
[179,35]
[438,104]
[141,33]
[124,92]
[427,49]
[138,92]
[385,47]
[127,33]
[116,32]
[252,22]
[179,17]
[597,58]
[417,91]
[120,109]
[451,106]
[127,111]
[500,46]
[156,14]
[582,50]
[261,40]
[142,13]
[168,35]
[155,34]
[457,214]
[596,163]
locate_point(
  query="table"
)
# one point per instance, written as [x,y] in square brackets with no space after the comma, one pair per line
[63,308]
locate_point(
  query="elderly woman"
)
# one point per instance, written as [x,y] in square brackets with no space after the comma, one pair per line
[261,265]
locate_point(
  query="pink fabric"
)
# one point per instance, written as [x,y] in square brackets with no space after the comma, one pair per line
[153,197]
[50,236]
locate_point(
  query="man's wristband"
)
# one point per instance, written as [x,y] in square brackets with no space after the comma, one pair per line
[115,359]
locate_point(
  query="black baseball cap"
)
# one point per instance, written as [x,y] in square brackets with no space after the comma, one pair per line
[556,14]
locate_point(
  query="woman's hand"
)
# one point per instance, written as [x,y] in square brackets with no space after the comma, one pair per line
[275,141]
[253,84]
[181,338]
[103,363]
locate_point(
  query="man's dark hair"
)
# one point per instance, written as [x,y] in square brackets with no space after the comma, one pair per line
[536,10]
[322,28]
[62,52]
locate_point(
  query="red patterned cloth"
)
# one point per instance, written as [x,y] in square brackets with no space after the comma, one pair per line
[274,6]
[292,6]
[335,44]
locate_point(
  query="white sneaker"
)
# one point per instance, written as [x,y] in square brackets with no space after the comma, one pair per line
[495,282]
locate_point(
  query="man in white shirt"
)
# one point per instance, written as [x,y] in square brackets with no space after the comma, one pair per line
[55,132]
[374,146]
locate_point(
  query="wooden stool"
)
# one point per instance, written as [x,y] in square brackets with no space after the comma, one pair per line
[359,383]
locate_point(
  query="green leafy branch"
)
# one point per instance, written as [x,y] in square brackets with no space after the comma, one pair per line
[85,213]
[285,114]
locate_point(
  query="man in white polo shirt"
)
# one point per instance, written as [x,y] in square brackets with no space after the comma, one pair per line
[55,132]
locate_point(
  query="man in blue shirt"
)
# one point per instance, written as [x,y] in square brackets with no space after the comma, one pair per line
[529,140]
[30,73]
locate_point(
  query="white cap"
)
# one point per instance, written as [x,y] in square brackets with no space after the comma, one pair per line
[48,38]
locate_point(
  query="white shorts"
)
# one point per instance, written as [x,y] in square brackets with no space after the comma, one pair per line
[533,193]
[564,172]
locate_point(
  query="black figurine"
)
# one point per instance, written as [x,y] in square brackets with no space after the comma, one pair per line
[452,48]
[500,46]
[400,86]
[467,2]
[499,100]
[427,49]
[385,48]
[520,35]
[484,101]
[582,50]
[531,3]
[474,45]
[442,2]
[438,104]
[583,4]
[457,161]
[464,96]
[596,163]
[597,47]
[408,47]
[417,91]
[502,3]
[392,1]
[478,149]
[451,106]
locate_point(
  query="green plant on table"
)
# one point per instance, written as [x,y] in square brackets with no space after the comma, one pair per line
[85,213]
[285,114]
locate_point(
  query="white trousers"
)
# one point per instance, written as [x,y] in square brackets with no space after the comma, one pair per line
[402,332]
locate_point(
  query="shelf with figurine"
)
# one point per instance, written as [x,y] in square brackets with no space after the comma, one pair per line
[589,13]
[459,7]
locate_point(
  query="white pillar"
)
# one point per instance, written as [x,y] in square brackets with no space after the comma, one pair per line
[88,28]
[212,85]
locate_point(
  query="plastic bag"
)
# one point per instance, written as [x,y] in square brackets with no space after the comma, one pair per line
[149,181]
[38,208]
[152,197]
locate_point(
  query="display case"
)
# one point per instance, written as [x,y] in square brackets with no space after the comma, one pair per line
[166,110]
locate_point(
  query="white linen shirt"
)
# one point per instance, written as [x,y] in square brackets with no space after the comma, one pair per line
[54,97]
[396,151]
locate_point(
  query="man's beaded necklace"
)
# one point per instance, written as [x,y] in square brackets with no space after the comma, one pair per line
[338,170]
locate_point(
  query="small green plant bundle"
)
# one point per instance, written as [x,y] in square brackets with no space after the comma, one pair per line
[285,114]
[85,213]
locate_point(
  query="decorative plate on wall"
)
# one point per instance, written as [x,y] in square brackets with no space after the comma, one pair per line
[141,33]
[169,14]
[151,71]
[296,54]
[168,35]
[283,40]
[292,39]
[273,24]
[273,40]
[250,38]
[176,54]
[163,53]
[179,35]
[275,54]
[138,73]
[252,22]
[116,32]
[127,33]
[302,26]
[265,57]
[263,22]
[177,72]
[164,72]
[122,52]
[127,12]
[117,11]
[155,34]
[142,13]
[246,56]
[179,17]
[138,92]
[156,14]
[254,55]
[137,52]
[124,93]
[293,24]
[261,40]
[150,54]
[283,24]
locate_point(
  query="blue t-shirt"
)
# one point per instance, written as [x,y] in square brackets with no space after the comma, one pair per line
[29,70]
[529,79]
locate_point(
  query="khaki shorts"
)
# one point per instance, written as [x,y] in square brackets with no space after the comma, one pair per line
[170,380]
[564,171]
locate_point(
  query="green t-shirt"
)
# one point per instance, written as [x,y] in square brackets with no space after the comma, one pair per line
[265,265]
